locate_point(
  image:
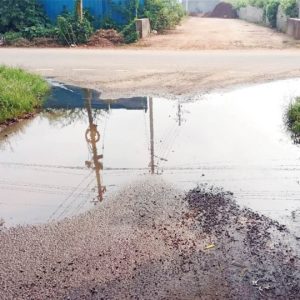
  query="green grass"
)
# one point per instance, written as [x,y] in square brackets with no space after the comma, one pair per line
[294,116]
[20,92]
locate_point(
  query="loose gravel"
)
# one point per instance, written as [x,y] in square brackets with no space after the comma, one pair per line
[150,241]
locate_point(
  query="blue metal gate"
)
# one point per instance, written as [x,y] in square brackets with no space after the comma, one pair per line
[98,8]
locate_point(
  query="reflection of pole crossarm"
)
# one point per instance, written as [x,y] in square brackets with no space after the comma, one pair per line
[151,135]
[92,137]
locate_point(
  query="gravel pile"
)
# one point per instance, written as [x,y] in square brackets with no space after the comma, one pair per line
[149,241]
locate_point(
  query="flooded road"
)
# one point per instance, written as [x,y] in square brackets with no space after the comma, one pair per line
[79,149]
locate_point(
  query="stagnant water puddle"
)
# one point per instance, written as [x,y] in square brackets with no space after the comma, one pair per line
[80,148]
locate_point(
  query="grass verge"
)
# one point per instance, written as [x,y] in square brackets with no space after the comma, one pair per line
[20,92]
[294,116]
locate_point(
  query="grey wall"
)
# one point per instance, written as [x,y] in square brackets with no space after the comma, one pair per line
[282,20]
[199,6]
[251,14]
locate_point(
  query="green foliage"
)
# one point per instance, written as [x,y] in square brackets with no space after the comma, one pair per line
[39,31]
[259,3]
[11,37]
[290,8]
[20,92]
[109,23]
[72,30]
[239,3]
[129,33]
[294,116]
[19,14]
[163,14]
[271,12]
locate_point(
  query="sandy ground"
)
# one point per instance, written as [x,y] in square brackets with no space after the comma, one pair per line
[197,33]
[151,242]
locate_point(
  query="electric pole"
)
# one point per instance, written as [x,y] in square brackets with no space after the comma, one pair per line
[79,9]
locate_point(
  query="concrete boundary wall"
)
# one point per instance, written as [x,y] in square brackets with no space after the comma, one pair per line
[293,28]
[251,14]
[282,20]
[199,6]
[143,27]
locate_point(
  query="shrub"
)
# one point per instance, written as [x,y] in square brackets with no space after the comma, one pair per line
[271,12]
[20,92]
[129,33]
[72,30]
[294,116]
[290,8]
[109,23]
[163,14]
[19,14]
[39,31]
[11,37]
[239,3]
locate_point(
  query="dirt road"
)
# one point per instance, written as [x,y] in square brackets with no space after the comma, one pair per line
[209,33]
[224,55]
[120,73]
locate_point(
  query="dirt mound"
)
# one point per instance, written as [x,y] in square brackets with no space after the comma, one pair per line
[224,10]
[105,38]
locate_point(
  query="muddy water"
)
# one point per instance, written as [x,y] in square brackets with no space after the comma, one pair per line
[79,149]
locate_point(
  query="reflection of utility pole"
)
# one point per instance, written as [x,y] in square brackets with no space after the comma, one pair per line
[92,136]
[179,114]
[151,135]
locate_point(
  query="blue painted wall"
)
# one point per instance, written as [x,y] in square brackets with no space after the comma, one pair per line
[98,8]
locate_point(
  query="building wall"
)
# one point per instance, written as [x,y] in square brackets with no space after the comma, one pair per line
[199,6]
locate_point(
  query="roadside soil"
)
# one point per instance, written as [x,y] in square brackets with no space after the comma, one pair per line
[149,241]
[6,124]
[197,33]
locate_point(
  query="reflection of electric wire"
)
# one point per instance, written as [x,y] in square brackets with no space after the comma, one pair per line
[65,211]
[70,195]
[79,207]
